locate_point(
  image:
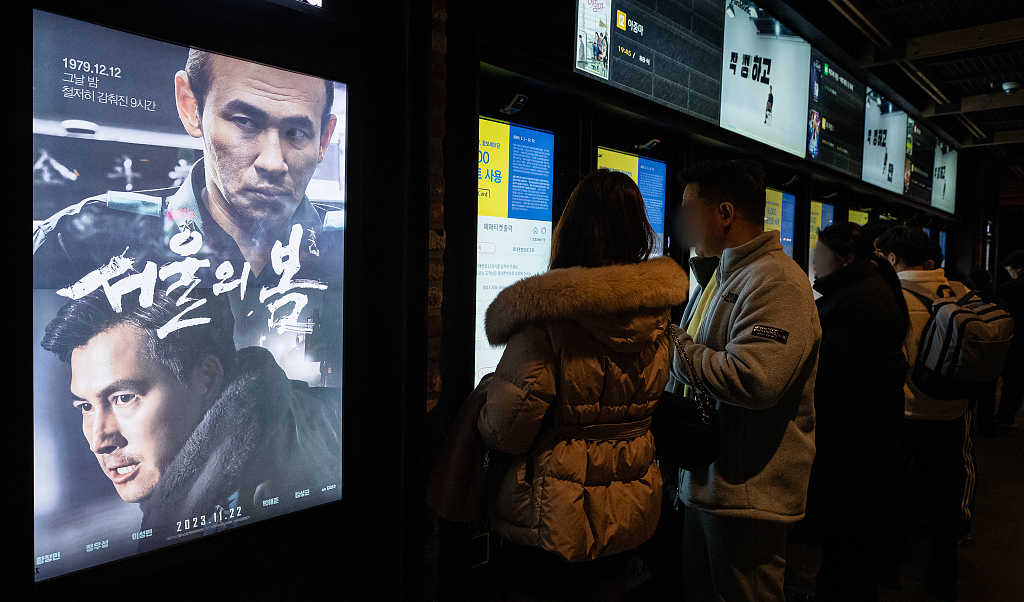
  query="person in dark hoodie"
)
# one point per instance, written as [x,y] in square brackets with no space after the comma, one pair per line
[197,433]
[858,402]
[586,359]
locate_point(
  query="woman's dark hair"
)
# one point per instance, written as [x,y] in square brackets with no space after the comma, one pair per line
[847,238]
[604,223]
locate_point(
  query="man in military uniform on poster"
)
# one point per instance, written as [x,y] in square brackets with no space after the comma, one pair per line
[264,132]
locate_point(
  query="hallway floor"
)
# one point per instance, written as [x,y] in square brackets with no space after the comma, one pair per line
[991,561]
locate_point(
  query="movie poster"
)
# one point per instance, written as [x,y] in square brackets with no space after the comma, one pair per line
[188,250]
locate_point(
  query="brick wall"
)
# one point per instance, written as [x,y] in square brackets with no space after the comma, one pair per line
[437,102]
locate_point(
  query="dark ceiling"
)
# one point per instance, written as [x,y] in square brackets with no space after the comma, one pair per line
[947,58]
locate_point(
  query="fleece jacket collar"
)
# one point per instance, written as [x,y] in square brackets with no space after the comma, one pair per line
[736,258]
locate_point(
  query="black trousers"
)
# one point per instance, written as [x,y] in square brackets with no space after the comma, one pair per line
[1012,396]
[934,474]
[851,498]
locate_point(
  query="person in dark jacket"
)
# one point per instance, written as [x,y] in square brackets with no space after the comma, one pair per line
[1012,295]
[858,399]
[198,434]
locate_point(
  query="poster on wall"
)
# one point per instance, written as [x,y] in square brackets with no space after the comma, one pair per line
[515,173]
[764,79]
[944,177]
[885,131]
[668,52]
[650,177]
[188,260]
[917,170]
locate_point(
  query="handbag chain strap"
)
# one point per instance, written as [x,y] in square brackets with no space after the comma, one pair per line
[702,398]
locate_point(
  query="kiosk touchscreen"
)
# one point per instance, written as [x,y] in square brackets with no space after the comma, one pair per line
[822,216]
[779,214]
[188,261]
[649,175]
[859,217]
[515,169]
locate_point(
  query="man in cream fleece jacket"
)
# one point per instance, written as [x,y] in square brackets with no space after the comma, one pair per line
[935,447]
[752,337]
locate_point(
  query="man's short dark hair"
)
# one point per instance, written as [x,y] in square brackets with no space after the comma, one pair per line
[740,182]
[910,245]
[180,351]
[197,67]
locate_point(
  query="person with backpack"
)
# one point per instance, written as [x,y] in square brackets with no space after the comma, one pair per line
[935,433]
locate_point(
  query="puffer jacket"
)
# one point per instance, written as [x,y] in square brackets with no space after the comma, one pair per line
[585,346]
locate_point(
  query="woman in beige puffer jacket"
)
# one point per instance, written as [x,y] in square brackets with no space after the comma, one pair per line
[586,359]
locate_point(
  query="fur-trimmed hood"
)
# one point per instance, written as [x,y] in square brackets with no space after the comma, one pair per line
[621,305]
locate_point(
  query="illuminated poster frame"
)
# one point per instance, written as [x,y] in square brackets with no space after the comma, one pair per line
[144,294]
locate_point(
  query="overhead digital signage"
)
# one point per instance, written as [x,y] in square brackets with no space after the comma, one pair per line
[835,116]
[764,79]
[667,52]
[917,170]
[944,178]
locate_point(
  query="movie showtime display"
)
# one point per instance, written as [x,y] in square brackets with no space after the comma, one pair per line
[188,261]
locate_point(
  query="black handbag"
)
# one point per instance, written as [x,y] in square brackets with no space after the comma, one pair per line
[686,430]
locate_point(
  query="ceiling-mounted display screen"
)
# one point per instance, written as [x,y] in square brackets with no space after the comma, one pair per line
[885,130]
[764,78]
[188,262]
[650,177]
[917,170]
[780,214]
[944,177]
[668,52]
[515,173]
[835,116]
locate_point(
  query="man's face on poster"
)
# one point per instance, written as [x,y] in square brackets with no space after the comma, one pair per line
[136,415]
[263,138]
